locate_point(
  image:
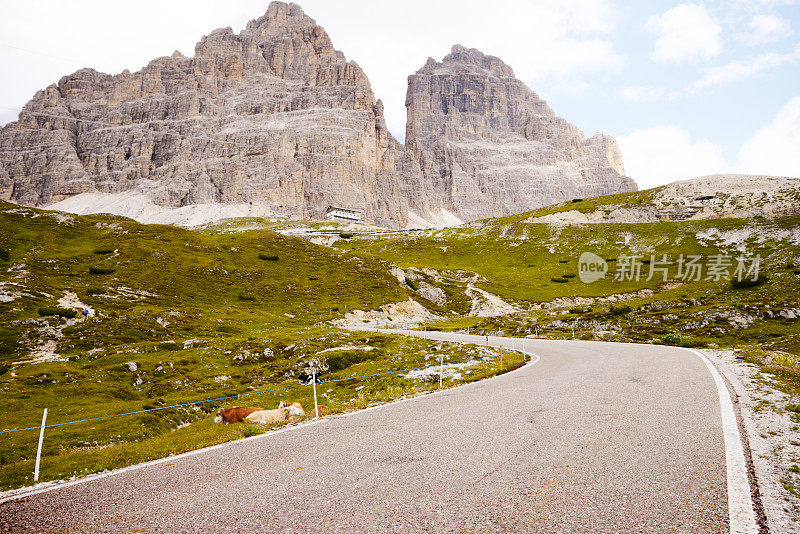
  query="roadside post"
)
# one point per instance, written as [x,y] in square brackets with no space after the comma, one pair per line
[314,385]
[39,448]
[313,368]
[441,369]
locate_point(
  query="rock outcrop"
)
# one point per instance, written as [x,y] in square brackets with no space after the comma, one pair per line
[721,196]
[275,121]
[489,146]
[274,115]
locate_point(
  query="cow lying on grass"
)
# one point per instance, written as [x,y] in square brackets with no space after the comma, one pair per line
[234,414]
[266,417]
[295,408]
[237,414]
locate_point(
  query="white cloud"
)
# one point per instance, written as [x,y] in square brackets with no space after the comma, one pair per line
[740,69]
[665,153]
[642,93]
[731,72]
[761,4]
[687,32]
[765,29]
[775,148]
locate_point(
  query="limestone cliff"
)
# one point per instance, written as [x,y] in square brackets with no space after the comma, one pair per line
[489,146]
[274,115]
[276,121]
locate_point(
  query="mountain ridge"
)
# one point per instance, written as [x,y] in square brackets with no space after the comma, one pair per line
[276,118]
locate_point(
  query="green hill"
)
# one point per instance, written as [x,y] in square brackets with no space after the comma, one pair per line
[178,316]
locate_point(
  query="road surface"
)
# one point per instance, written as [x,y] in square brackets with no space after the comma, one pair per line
[592,437]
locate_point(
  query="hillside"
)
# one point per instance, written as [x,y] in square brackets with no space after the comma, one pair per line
[176,317]
[719,196]
[527,274]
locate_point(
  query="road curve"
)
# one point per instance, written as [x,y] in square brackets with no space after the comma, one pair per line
[595,437]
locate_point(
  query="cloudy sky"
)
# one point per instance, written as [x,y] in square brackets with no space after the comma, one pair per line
[687,88]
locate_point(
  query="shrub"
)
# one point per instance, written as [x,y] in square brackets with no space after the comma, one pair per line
[576,200]
[673,338]
[267,257]
[677,339]
[101,270]
[343,360]
[791,265]
[103,251]
[580,310]
[4,368]
[5,255]
[247,298]
[619,310]
[563,261]
[559,280]
[569,275]
[412,284]
[95,291]
[61,312]
[797,271]
[250,431]
[748,282]
[345,235]
[169,345]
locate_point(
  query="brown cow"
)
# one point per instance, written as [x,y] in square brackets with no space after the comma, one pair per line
[234,414]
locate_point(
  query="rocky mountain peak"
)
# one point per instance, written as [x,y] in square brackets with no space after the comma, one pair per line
[275,118]
[472,59]
[487,143]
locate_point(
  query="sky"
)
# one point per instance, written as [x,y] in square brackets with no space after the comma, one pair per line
[688,89]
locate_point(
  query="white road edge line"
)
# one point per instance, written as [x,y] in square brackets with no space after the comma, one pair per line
[15,495]
[741,514]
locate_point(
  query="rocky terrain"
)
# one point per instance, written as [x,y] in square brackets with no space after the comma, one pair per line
[719,196]
[274,116]
[275,121]
[489,146]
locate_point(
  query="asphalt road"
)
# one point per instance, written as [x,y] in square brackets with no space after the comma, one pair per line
[594,437]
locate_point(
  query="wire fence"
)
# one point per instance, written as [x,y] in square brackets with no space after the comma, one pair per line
[441,365]
[249,393]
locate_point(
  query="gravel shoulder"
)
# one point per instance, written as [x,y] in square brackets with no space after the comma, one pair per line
[774,438]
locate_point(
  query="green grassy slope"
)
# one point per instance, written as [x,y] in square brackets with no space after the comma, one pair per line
[180,316]
[521,262]
[634,199]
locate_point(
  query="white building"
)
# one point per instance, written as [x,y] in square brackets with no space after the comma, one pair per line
[337,213]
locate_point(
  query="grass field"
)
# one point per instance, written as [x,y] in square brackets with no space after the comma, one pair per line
[179,316]
[235,309]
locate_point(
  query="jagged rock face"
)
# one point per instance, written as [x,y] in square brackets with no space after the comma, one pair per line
[489,146]
[276,118]
[272,115]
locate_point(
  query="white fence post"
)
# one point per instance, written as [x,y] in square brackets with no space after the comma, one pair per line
[39,449]
[441,369]
[314,385]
